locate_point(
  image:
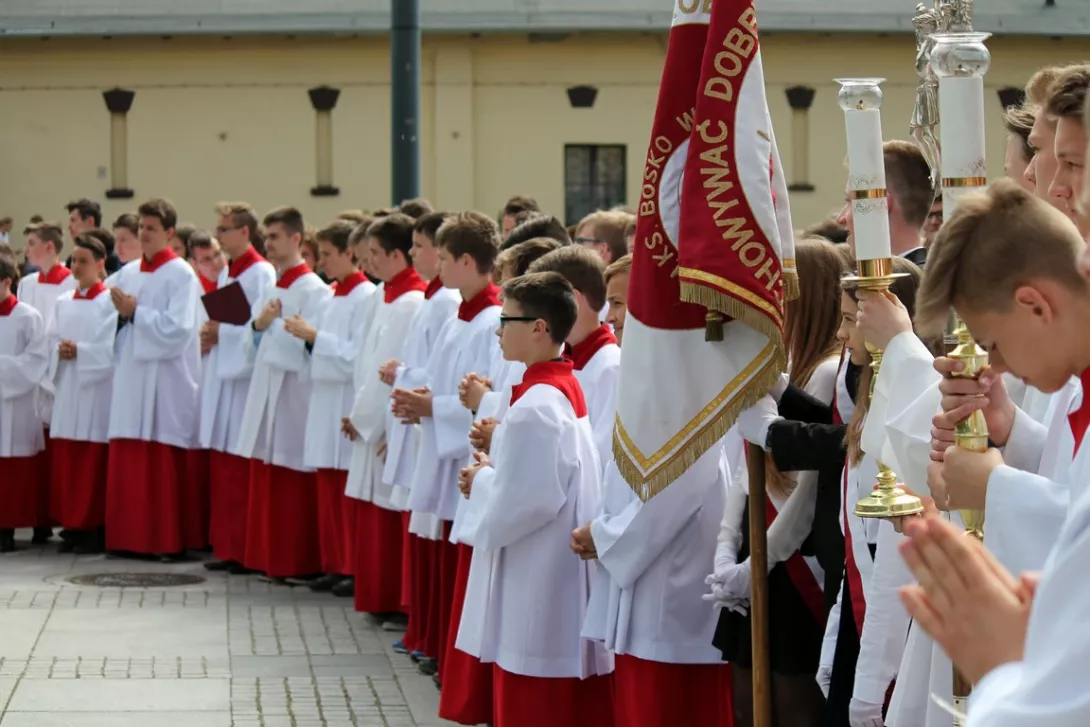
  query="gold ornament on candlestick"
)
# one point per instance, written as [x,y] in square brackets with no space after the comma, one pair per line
[971,433]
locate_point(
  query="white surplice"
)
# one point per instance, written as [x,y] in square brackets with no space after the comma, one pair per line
[385,340]
[599,379]
[83,386]
[464,347]
[41,291]
[158,370]
[332,369]
[527,593]
[274,419]
[24,361]
[653,558]
[229,365]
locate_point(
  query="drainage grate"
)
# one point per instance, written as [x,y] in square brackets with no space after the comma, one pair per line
[135,580]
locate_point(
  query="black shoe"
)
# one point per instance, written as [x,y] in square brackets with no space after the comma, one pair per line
[7,540]
[346,588]
[237,569]
[428,667]
[42,535]
[219,565]
[179,557]
[67,546]
[325,583]
[89,545]
[435,681]
[67,534]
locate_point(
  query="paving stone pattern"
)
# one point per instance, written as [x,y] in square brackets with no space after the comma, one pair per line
[231,651]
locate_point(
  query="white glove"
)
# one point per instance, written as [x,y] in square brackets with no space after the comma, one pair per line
[754,422]
[722,599]
[825,678]
[864,714]
[736,580]
[779,387]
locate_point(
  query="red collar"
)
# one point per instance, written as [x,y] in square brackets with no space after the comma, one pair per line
[344,287]
[208,285]
[583,352]
[557,374]
[92,292]
[243,262]
[7,305]
[404,282]
[56,275]
[290,275]
[487,298]
[157,261]
[433,287]
[1080,418]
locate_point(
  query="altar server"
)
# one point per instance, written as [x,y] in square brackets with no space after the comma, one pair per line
[81,369]
[1018,641]
[282,516]
[378,533]
[468,245]
[520,514]
[24,360]
[593,347]
[154,408]
[333,341]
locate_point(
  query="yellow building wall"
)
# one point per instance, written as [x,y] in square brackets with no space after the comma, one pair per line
[225,119]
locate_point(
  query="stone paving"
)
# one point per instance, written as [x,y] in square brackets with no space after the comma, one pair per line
[231,651]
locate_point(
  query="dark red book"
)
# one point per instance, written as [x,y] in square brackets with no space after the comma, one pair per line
[227,305]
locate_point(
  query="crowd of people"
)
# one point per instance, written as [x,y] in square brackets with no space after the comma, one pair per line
[416,410]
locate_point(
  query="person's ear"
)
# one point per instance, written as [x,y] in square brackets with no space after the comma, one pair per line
[1032,300]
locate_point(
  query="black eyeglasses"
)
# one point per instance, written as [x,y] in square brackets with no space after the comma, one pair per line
[504,320]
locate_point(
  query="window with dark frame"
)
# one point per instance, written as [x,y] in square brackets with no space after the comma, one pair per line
[594,179]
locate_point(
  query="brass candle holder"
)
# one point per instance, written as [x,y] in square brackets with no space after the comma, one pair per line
[971,433]
[888,500]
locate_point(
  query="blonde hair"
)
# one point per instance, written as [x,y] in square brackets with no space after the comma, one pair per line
[609,227]
[621,266]
[995,242]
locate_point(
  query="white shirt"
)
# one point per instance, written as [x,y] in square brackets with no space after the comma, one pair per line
[599,379]
[43,296]
[83,386]
[24,360]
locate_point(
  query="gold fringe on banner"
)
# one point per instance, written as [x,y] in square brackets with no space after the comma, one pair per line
[790,285]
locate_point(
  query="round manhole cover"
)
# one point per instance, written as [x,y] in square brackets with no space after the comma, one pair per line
[135,580]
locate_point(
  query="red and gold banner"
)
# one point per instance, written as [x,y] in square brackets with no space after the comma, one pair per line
[713,234]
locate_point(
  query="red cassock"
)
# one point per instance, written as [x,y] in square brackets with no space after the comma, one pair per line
[79,471]
[423,574]
[656,694]
[522,701]
[196,504]
[229,485]
[466,696]
[282,522]
[45,488]
[144,501]
[331,520]
[19,490]
[377,558]
[442,602]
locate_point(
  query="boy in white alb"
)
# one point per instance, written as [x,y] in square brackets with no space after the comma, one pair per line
[227,374]
[379,530]
[527,595]
[333,342]
[594,350]
[24,359]
[41,291]
[81,370]
[468,245]
[282,516]
[154,408]
[422,543]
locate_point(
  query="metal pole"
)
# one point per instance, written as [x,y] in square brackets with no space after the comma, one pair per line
[405,100]
[758,590]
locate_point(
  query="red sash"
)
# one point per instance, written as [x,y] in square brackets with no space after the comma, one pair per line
[800,574]
[851,570]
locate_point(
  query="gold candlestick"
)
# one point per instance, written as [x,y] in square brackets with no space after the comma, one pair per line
[971,433]
[888,500]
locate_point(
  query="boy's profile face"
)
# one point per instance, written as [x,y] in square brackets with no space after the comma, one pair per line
[85,268]
[517,334]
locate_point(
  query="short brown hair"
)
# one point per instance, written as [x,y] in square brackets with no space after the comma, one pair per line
[538,226]
[356,216]
[609,227]
[622,266]
[995,242]
[161,210]
[547,296]
[359,231]
[105,237]
[289,217]
[87,210]
[523,255]
[243,214]
[415,208]
[908,178]
[630,229]
[48,232]
[394,232]
[337,233]
[310,241]
[828,228]
[429,224]
[9,269]
[1068,93]
[202,240]
[519,203]
[474,234]
[184,232]
[1039,86]
[1018,121]
[92,244]
[583,268]
[127,221]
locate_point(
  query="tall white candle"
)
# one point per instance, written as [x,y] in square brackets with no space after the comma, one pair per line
[867,184]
